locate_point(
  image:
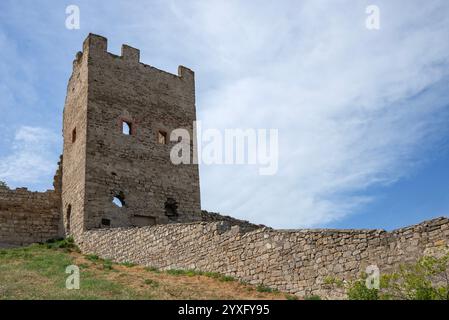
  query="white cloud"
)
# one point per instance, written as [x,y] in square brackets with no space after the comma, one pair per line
[31,157]
[354,108]
[343,98]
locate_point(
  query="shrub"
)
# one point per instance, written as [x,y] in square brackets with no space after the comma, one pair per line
[67,243]
[427,279]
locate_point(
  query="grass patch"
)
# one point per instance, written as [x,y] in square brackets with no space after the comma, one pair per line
[151,283]
[92,257]
[179,272]
[263,288]
[313,297]
[192,273]
[152,269]
[128,264]
[67,243]
[38,272]
[107,264]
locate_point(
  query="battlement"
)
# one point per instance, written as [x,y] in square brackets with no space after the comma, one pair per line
[97,46]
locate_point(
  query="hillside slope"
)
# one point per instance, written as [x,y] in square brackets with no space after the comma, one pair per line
[38,272]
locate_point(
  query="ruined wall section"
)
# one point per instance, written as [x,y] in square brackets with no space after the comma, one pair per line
[244,225]
[136,167]
[28,217]
[295,261]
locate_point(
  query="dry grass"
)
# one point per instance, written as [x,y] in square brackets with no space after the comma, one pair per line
[38,272]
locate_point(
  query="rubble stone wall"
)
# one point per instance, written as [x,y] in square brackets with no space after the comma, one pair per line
[28,217]
[295,261]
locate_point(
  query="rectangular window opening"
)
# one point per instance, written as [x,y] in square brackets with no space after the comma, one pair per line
[74,135]
[162,137]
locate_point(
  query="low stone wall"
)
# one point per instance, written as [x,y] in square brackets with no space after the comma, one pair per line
[28,217]
[295,261]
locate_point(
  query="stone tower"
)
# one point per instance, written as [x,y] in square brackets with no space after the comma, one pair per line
[118,117]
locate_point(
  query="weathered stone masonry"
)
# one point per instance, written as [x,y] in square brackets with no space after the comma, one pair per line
[160,222]
[295,261]
[28,217]
[105,93]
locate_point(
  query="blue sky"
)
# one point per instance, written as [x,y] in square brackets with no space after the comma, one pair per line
[363,116]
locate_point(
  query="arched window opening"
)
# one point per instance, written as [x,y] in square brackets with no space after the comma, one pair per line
[171,208]
[126,128]
[119,200]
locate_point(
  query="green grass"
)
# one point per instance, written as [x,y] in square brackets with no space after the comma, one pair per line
[314,297]
[39,272]
[151,283]
[263,288]
[92,257]
[128,264]
[152,269]
[192,273]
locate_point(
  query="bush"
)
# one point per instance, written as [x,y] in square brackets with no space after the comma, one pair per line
[3,184]
[427,279]
[67,243]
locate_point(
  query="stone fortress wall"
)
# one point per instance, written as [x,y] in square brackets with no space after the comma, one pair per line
[294,261]
[28,217]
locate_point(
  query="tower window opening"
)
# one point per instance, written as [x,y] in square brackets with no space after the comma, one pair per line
[171,208]
[119,200]
[68,217]
[162,137]
[74,135]
[126,128]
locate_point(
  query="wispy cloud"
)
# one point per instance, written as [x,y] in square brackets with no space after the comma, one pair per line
[31,157]
[354,108]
